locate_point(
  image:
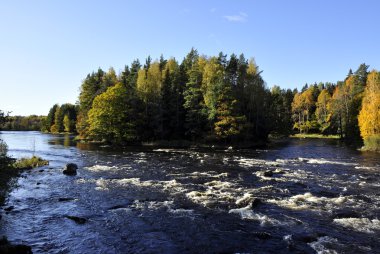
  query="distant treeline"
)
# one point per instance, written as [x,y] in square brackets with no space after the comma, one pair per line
[216,98]
[22,123]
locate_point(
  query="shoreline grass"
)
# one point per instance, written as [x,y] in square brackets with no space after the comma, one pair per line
[315,136]
[29,163]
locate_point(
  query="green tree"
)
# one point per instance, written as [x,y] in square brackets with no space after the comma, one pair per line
[111,118]
[228,124]
[281,110]
[196,111]
[57,127]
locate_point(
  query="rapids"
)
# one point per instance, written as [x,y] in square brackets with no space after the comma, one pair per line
[306,196]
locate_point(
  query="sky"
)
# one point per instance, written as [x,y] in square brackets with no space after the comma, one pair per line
[48,47]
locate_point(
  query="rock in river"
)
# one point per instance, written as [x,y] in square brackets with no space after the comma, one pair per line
[78,220]
[70,169]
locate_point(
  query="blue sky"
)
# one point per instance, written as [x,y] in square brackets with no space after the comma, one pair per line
[48,47]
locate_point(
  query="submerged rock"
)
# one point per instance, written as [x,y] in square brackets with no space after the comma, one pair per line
[346,214]
[15,249]
[8,248]
[70,169]
[65,199]
[268,173]
[256,202]
[77,220]
[262,235]
[308,238]
[9,208]
[118,207]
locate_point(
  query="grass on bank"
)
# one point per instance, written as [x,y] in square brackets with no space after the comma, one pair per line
[315,135]
[29,163]
[372,143]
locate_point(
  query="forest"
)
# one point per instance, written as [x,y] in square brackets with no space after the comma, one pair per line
[23,123]
[216,99]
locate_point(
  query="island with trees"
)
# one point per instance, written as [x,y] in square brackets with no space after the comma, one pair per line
[216,99]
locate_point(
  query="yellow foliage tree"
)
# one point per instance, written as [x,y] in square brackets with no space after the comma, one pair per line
[369,117]
[149,82]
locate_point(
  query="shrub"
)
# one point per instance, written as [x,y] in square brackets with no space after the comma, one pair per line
[372,143]
[29,163]
[3,149]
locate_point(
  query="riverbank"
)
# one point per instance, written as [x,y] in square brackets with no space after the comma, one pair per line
[7,176]
[315,136]
[10,170]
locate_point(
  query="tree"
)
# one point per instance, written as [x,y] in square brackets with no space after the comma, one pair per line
[212,81]
[361,73]
[57,127]
[111,118]
[322,112]
[281,110]
[66,123]
[369,117]
[196,112]
[228,124]
[303,108]
[256,99]
[48,123]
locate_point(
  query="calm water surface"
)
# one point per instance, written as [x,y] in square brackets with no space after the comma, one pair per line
[308,196]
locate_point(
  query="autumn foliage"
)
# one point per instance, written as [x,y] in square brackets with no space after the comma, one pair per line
[369,117]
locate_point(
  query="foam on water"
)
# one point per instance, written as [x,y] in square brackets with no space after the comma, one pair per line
[248,162]
[246,213]
[367,168]
[309,201]
[246,199]
[323,161]
[180,212]
[105,184]
[211,174]
[323,245]
[216,192]
[364,225]
[151,205]
[100,168]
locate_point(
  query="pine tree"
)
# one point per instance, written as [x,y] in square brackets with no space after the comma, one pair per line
[196,114]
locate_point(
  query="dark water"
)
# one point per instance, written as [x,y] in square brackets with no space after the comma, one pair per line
[308,196]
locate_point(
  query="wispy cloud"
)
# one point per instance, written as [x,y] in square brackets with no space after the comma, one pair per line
[212,10]
[241,17]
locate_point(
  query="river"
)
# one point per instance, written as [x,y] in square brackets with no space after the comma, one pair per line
[305,196]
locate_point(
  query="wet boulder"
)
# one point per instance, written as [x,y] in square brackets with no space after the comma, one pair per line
[9,208]
[268,173]
[70,169]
